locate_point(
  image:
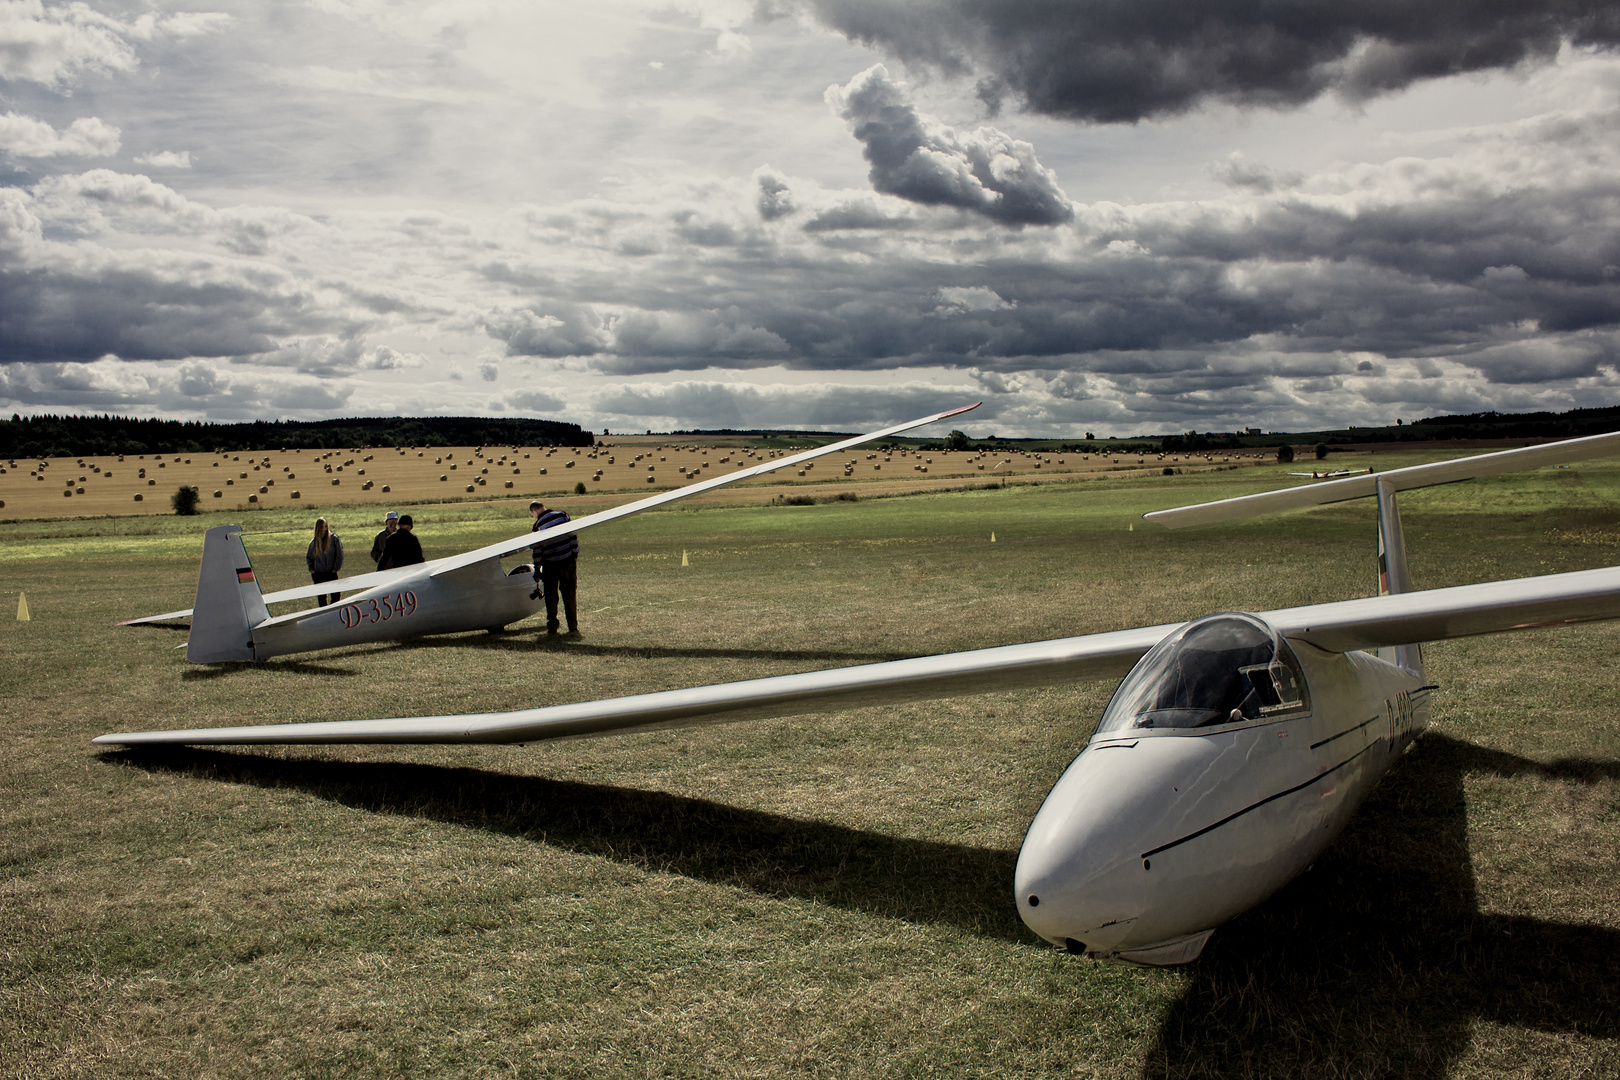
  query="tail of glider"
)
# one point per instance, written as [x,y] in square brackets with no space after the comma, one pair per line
[1393,577]
[229,603]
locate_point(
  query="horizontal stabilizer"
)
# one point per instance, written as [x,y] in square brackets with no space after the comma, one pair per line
[1366,484]
[1342,626]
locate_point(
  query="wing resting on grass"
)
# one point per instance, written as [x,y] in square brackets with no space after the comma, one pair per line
[1338,627]
[1366,484]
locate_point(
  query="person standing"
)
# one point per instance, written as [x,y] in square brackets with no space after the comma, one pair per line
[390,524]
[555,561]
[402,548]
[325,559]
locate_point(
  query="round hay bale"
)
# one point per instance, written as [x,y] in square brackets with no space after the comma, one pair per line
[443,477]
[139,496]
[386,488]
[67,493]
[336,481]
[218,494]
[509,483]
[295,495]
[469,487]
[253,498]
[151,483]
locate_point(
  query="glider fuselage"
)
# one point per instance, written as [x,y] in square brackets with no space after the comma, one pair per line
[1158,833]
[477,597]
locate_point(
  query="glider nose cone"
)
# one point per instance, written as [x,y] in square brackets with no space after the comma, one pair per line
[1079,881]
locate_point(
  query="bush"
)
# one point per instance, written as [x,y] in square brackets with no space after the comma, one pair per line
[1321,451]
[579,488]
[1285,455]
[184,500]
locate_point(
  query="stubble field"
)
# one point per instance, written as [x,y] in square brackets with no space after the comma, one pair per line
[816,896]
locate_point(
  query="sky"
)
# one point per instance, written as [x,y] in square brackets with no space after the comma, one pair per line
[1155,216]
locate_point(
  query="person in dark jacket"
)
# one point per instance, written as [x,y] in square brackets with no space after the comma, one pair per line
[390,526]
[403,548]
[555,561]
[325,559]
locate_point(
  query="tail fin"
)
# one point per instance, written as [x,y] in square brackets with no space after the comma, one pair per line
[229,603]
[1393,576]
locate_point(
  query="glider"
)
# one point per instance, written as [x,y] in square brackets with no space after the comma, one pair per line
[231,620]
[1233,752]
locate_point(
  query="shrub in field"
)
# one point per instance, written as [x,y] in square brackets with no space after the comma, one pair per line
[184,500]
[1321,451]
[1285,454]
[579,488]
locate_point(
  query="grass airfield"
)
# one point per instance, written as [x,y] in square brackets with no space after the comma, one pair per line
[816,896]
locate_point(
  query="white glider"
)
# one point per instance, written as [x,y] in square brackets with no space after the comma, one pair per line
[232,622]
[1234,751]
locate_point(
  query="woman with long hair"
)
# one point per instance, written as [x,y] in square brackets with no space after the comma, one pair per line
[325,558]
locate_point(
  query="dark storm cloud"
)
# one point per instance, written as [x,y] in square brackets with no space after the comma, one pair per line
[1106,61]
[133,313]
[925,162]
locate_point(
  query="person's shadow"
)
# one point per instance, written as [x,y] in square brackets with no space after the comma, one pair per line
[1378,961]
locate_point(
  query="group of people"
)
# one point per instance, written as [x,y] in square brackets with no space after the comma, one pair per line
[395,546]
[555,559]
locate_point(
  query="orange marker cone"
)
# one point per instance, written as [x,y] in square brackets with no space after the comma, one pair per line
[22,607]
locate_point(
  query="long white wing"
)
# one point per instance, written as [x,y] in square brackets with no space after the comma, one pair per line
[1007,667]
[1415,476]
[1341,626]
[529,539]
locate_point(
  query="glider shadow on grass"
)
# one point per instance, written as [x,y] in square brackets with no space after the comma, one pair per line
[1378,962]
[773,855]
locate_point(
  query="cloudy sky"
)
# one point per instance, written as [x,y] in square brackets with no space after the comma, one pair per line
[1118,217]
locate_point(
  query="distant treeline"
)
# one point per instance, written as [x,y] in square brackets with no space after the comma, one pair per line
[78,436]
[1495,425]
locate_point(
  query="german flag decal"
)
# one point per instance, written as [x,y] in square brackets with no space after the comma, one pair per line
[244,574]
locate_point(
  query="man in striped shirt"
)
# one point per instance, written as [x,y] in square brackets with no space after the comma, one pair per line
[554,563]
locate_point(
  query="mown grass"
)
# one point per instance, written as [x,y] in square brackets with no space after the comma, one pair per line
[821,896]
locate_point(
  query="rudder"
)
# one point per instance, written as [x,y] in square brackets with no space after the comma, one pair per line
[229,604]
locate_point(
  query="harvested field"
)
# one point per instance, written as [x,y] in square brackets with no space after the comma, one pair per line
[815,896]
[318,479]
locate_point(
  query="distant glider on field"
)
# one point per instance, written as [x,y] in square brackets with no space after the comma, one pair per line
[1234,751]
[231,620]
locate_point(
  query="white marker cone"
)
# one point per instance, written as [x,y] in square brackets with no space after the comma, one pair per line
[22,607]
[683,558]
[992,538]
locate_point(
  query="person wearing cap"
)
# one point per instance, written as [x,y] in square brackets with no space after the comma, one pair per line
[401,549]
[390,523]
[555,562]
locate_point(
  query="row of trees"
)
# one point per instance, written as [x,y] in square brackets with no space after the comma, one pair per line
[77,436]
